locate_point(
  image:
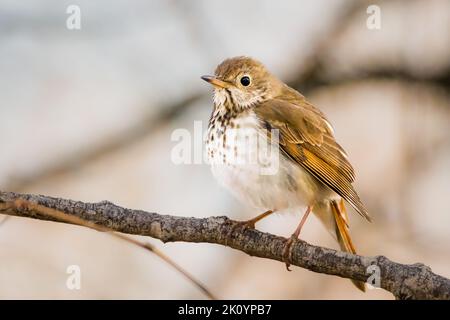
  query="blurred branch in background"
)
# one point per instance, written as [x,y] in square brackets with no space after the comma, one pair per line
[123,138]
[311,75]
[59,215]
[151,123]
[415,281]
[315,74]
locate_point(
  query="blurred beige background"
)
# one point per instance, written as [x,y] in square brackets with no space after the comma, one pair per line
[88,115]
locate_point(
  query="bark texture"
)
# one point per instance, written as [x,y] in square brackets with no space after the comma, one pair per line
[415,281]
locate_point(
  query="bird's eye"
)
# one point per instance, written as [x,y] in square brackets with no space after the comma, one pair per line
[245,81]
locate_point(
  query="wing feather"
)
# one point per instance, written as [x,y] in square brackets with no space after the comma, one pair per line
[307,138]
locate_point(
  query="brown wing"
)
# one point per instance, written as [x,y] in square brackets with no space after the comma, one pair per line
[307,138]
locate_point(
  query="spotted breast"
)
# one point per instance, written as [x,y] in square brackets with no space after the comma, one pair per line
[248,163]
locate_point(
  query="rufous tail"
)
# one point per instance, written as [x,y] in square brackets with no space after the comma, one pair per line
[343,234]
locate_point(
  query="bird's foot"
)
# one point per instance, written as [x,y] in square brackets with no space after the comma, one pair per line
[248,224]
[287,251]
[244,225]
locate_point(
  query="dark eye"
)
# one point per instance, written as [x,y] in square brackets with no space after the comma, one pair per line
[245,81]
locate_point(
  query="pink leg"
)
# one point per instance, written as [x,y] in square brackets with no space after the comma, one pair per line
[250,224]
[287,247]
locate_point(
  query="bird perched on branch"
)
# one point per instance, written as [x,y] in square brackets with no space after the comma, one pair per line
[276,151]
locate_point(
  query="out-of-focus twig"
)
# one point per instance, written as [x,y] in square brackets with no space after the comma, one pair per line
[23,205]
[415,281]
[440,82]
[4,219]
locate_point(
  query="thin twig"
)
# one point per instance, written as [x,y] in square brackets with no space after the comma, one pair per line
[25,205]
[5,218]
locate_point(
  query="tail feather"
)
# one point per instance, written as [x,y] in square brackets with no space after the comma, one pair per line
[343,234]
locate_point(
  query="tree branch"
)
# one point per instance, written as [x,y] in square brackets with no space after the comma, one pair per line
[415,281]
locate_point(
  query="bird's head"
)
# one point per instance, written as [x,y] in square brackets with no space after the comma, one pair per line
[241,83]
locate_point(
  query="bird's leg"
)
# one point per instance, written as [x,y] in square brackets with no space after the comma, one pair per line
[287,247]
[250,224]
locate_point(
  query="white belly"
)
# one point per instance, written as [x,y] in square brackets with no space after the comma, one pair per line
[256,172]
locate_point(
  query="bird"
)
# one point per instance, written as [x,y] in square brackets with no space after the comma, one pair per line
[301,165]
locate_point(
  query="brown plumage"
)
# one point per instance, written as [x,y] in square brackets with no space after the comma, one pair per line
[307,138]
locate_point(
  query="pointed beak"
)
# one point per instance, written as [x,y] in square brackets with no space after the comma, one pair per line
[216,82]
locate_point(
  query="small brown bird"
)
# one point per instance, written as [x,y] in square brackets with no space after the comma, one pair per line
[304,167]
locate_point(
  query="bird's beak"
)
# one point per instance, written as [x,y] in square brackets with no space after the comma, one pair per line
[216,82]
